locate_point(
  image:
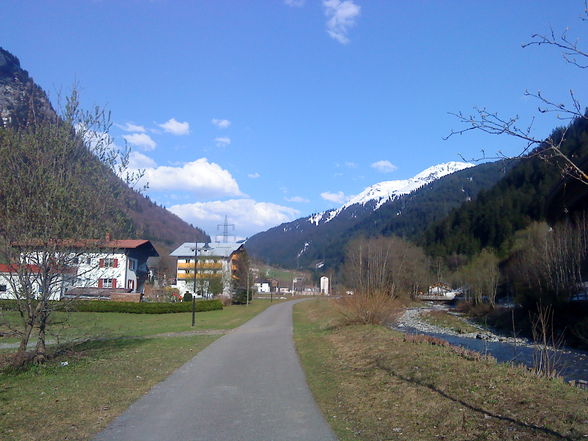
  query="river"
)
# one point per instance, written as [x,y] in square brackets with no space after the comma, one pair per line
[571,364]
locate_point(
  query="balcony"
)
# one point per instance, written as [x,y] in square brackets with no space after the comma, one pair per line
[190,276]
[200,265]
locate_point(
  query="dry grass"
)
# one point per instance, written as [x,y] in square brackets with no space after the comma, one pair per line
[374,384]
[376,308]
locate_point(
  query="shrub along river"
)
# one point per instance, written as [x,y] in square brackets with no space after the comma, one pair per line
[571,364]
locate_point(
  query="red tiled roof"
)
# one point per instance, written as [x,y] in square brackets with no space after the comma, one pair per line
[86,243]
[5,268]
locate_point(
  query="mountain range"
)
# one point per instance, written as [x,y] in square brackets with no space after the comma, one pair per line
[402,207]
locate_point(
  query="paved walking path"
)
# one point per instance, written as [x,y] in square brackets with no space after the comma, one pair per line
[246,386]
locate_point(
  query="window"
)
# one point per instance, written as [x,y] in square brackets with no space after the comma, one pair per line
[106,283]
[132,264]
[88,261]
[108,262]
[3,288]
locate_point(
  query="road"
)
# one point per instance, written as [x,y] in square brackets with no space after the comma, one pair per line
[246,386]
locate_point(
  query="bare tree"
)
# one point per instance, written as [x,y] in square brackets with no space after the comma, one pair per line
[548,267]
[549,149]
[481,277]
[61,183]
[386,265]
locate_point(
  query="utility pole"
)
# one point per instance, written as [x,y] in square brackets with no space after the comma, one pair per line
[247,296]
[226,226]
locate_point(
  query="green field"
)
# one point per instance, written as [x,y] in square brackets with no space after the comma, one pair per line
[79,392]
[84,325]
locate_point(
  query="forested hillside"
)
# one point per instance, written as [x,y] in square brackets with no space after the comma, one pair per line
[22,103]
[531,191]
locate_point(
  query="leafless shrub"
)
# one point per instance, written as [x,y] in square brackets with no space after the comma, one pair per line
[225,300]
[376,308]
[546,356]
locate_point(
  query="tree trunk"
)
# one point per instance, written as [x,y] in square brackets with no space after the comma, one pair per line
[41,349]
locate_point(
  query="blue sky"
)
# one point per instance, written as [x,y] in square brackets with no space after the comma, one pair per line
[269,110]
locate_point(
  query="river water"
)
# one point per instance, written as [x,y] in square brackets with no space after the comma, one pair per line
[571,364]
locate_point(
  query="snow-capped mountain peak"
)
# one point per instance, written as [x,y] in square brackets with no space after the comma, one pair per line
[382,192]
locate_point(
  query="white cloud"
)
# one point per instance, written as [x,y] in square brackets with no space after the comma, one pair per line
[350,164]
[221,123]
[175,127]
[295,3]
[338,197]
[130,127]
[254,175]
[204,179]
[296,199]
[138,160]
[384,166]
[248,215]
[141,140]
[222,141]
[341,16]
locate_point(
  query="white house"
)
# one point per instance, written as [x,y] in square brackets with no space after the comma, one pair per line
[263,287]
[89,269]
[199,265]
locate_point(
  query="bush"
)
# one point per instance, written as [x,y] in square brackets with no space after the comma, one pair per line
[240,296]
[125,307]
[377,308]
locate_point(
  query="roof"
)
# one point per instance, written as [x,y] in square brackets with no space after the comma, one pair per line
[217,249]
[5,268]
[88,243]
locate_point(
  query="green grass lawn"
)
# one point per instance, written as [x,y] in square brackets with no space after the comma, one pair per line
[83,325]
[78,393]
[373,384]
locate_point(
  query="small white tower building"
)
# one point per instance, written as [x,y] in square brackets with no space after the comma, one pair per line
[325,285]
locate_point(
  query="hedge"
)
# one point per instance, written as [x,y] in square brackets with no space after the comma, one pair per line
[126,307]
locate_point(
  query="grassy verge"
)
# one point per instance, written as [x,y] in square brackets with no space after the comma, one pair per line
[371,384]
[445,320]
[78,393]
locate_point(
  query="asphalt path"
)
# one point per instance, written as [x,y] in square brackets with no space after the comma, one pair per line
[246,386]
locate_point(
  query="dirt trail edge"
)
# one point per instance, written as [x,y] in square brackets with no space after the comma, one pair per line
[246,386]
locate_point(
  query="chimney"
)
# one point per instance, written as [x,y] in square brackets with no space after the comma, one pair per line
[108,236]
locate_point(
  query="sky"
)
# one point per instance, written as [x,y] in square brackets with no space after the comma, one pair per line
[270,110]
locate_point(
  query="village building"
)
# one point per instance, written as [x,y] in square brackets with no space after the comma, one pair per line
[90,269]
[206,269]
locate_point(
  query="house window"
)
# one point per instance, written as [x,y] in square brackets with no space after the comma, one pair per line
[132,264]
[3,288]
[75,261]
[107,283]
[108,262]
[88,261]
